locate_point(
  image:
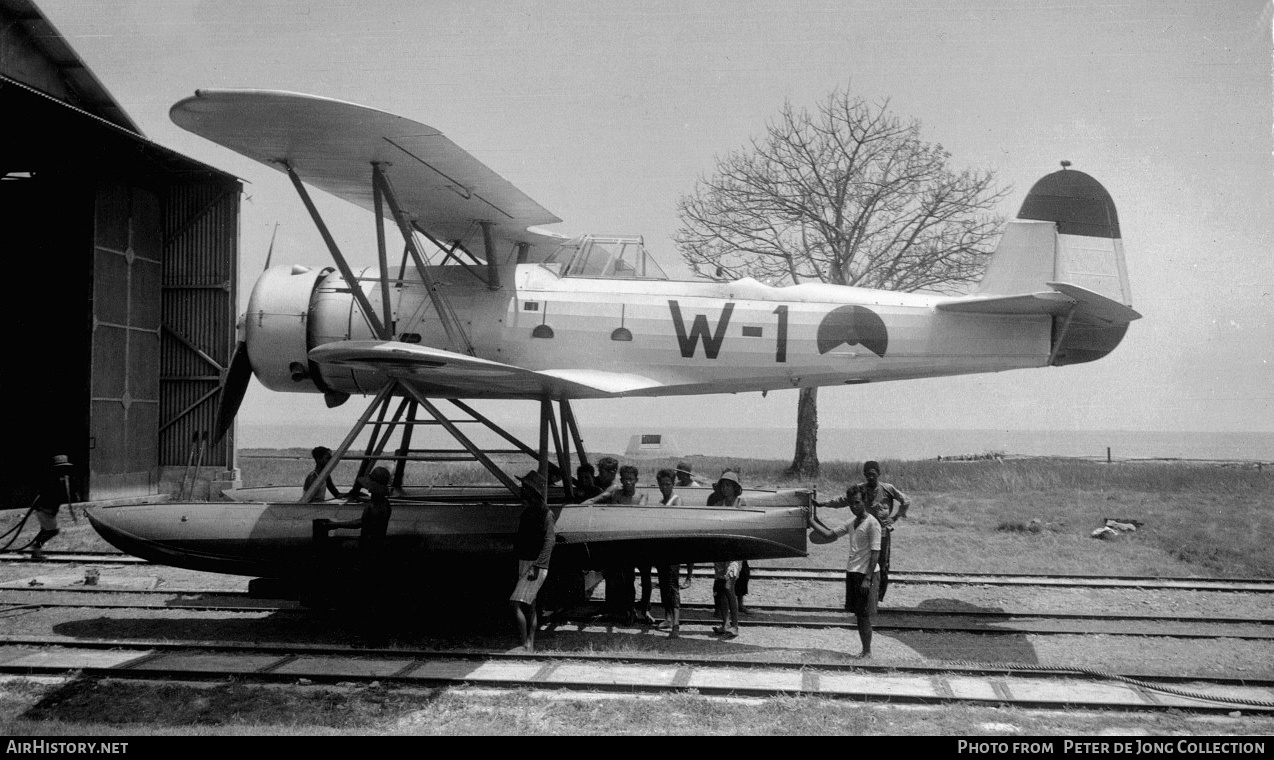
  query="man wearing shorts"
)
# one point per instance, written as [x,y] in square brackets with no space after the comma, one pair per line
[884,502]
[533,548]
[862,570]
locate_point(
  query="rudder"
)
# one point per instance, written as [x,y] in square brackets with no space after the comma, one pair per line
[1066,237]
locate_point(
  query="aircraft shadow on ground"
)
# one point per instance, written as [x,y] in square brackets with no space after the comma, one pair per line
[416,629]
[981,640]
[490,627]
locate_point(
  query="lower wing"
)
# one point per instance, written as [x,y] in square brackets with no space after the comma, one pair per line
[435,372]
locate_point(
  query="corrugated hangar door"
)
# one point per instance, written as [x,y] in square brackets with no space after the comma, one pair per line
[124,389]
[164,291]
[201,229]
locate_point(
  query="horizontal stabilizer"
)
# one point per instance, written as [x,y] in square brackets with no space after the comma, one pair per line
[1048,302]
[1094,306]
[1086,305]
[439,373]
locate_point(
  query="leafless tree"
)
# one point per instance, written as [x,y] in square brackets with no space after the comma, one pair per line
[848,194]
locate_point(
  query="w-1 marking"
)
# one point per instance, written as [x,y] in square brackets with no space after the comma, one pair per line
[713,338]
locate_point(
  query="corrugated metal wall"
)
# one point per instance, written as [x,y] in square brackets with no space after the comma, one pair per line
[200,275]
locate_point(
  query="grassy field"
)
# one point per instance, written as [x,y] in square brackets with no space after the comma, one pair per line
[977,516]
[1010,515]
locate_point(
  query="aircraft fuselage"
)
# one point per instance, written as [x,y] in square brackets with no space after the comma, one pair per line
[688,337]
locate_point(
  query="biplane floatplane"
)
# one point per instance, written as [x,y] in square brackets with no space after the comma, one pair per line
[483,305]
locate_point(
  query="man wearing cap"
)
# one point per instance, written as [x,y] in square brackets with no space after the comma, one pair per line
[862,576]
[884,502]
[56,492]
[373,527]
[533,548]
[686,477]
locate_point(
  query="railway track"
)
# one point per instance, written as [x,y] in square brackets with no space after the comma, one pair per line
[19,600]
[1023,686]
[828,575]
[212,613]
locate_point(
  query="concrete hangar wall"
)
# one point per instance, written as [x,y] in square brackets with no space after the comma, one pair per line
[121,262]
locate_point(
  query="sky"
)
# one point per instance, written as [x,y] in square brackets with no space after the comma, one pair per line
[606,114]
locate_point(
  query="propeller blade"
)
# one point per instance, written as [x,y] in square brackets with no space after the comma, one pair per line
[269,254]
[232,390]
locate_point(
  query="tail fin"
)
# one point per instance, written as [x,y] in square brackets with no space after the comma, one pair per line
[1066,239]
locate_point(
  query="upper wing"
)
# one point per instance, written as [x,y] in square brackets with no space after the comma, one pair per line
[436,372]
[332,145]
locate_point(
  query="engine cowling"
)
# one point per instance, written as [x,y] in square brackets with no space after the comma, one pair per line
[277,327]
[292,310]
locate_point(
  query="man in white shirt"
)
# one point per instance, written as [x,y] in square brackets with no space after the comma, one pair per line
[862,570]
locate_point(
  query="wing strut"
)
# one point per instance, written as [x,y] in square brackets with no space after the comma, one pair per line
[493,267]
[406,418]
[450,323]
[378,204]
[464,441]
[321,481]
[368,312]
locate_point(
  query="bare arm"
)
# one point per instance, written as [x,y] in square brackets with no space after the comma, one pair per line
[871,563]
[605,496]
[818,527]
[840,502]
[331,488]
[546,546]
[902,502]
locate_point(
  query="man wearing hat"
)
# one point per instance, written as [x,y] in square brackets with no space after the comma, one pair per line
[51,499]
[373,527]
[533,547]
[374,522]
[884,502]
[725,583]
[716,499]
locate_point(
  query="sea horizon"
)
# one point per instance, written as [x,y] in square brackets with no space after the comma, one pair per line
[845,444]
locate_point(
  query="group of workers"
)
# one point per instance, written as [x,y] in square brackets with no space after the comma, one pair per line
[875,505]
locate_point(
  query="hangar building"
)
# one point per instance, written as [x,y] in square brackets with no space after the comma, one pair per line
[121,261]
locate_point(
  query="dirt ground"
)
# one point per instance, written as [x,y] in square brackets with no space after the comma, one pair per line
[1130,654]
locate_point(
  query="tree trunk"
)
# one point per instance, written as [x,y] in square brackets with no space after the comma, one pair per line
[805,461]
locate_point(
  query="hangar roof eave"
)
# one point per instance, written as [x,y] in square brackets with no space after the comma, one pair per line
[76,75]
[174,161]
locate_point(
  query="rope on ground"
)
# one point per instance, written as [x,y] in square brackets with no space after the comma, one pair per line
[16,531]
[1107,675]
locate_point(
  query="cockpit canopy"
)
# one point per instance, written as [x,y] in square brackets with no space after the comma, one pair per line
[604,257]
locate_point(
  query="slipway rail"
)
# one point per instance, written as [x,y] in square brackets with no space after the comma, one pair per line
[902,577]
[1028,686]
[16,598]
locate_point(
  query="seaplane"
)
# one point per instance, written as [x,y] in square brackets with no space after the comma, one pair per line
[484,303]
